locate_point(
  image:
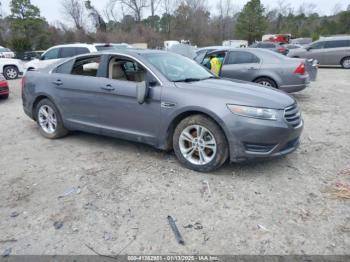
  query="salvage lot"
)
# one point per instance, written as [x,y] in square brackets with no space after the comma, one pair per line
[125,191]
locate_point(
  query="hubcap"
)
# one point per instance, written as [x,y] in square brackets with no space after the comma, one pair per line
[47,119]
[11,73]
[346,63]
[197,145]
[265,83]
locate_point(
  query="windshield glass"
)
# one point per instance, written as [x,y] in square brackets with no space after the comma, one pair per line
[5,50]
[176,67]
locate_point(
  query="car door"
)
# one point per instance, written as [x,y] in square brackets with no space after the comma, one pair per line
[120,113]
[336,51]
[78,92]
[316,51]
[242,65]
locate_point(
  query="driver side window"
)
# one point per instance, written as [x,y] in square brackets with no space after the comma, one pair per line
[317,45]
[51,54]
[126,70]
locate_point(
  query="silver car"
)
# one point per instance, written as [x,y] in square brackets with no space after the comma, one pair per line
[328,51]
[263,67]
[164,100]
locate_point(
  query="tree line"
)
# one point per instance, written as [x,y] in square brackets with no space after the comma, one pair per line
[125,21]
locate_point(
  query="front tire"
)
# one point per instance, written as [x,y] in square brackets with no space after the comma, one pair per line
[11,72]
[345,63]
[264,81]
[200,144]
[49,120]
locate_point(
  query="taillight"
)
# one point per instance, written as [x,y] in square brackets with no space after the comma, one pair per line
[300,69]
[281,50]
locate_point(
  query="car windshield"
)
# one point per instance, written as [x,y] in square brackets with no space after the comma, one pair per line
[4,50]
[177,68]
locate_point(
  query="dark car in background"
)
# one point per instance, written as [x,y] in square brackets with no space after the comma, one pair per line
[272,46]
[263,67]
[333,51]
[164,100]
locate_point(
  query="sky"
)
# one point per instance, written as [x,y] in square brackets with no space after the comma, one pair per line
[52,10]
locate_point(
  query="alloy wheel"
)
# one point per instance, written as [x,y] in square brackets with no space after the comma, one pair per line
[11,73]
[265,83]
[346,63]
[47,119]
[197,145]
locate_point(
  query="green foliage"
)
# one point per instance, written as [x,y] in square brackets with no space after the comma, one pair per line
[251,22]
[28,28]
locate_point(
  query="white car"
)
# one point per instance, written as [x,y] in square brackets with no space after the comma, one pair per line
[11,68]
[6,53]
[56,53]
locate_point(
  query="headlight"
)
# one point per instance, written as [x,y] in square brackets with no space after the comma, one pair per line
[254,112]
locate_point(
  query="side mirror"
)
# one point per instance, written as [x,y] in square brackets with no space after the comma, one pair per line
[308,48]
[142,92]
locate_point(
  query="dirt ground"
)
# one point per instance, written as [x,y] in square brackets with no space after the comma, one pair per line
[64,196]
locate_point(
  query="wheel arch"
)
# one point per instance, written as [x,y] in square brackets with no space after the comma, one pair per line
[38,99]
[268,77]
[168,145]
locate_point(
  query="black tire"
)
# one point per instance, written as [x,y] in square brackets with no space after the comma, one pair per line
[60,130]
[11,72]
[265,81]
[345,62]
[4,96]
[222,152]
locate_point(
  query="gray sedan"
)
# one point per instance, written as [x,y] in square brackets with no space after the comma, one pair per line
[263,67]
[164,100]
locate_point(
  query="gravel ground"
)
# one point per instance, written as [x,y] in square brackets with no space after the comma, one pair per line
[64,196]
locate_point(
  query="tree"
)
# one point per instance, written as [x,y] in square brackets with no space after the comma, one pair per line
[74,10]
[251,22]
[28,29]
[136,6]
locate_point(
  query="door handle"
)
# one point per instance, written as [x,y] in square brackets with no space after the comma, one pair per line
[252,68]
[108,88]
[58,82]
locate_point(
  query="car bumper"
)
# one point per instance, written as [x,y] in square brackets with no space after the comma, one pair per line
[251,138]
[4,90]
[302,82]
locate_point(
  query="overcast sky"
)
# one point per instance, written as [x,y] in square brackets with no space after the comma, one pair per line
[52,11]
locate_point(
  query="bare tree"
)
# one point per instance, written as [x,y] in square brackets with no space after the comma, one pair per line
[154,6]
[136,6]
[74,10]
[225,9]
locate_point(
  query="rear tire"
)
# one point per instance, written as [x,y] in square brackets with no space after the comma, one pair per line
[345,62]
[264,81]
[49,120]
[11,72]
[200,144]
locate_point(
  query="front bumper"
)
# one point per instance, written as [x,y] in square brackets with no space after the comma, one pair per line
[251,138]
[4,90]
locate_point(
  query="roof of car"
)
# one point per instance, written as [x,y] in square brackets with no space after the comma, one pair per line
[335,37]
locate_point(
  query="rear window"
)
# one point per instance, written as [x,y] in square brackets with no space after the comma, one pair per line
[266,45]
[239,57]
[67,52]
[337,44]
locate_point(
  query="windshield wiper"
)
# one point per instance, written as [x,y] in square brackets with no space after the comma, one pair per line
[211,77]
[188,80]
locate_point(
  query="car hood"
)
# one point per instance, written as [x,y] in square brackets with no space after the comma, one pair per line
[241,93]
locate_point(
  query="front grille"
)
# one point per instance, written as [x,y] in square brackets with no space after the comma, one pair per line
[292,115]
[2,89]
